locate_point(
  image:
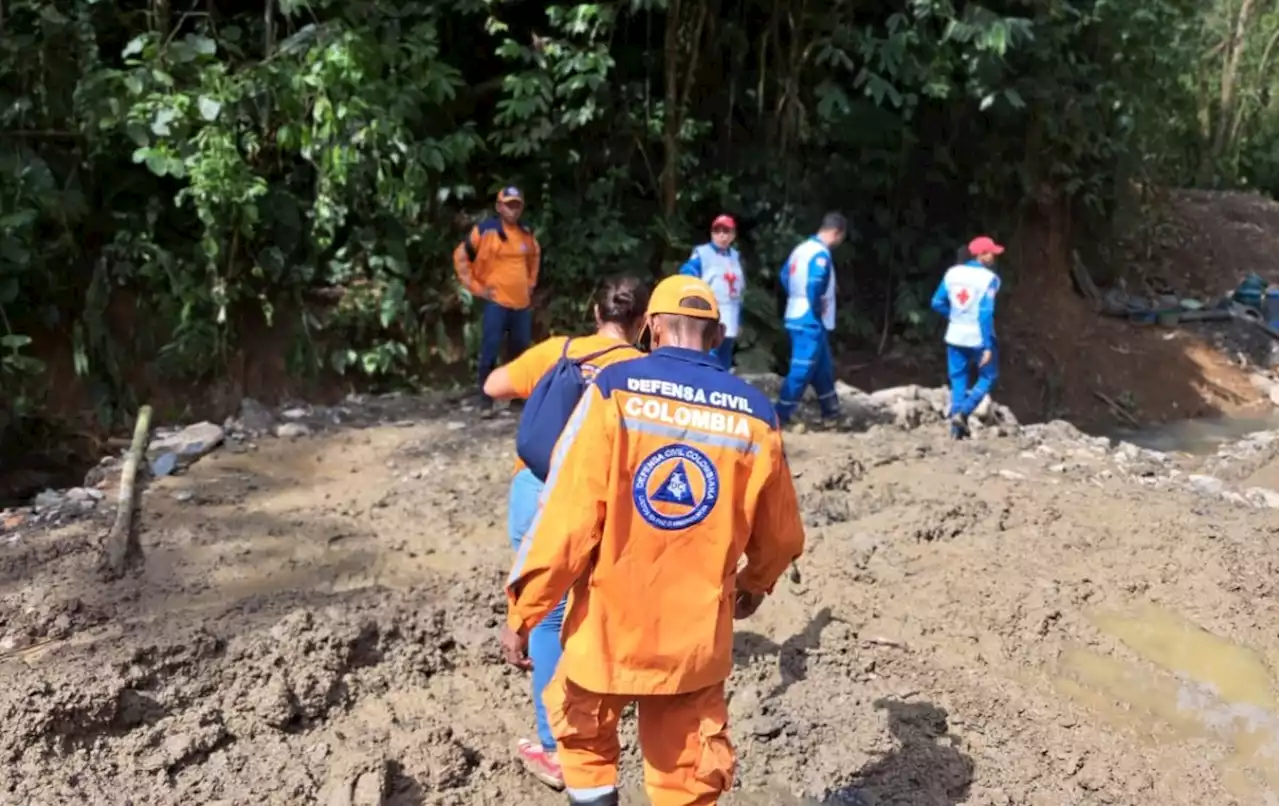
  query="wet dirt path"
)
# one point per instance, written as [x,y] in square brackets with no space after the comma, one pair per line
[1007,621]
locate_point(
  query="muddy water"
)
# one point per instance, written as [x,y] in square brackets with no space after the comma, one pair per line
[1188,684]
[1199,436]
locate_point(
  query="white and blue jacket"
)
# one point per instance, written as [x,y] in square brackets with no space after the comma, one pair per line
[722,270]
[809,278]
[967,297]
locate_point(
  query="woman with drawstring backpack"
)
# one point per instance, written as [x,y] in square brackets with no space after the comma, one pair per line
[618,308]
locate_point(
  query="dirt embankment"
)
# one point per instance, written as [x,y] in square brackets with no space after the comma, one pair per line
[1032,617]
[1060,359]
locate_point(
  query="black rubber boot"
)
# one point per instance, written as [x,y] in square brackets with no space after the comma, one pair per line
[607,799]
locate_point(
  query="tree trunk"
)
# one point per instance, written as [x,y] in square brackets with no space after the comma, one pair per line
[1238,119]
[1227,91]
[121,547]
[671,108]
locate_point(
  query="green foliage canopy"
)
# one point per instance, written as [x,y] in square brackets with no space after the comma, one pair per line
[317,161]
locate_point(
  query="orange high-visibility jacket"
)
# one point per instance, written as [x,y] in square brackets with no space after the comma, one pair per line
[669,470]
[501,259]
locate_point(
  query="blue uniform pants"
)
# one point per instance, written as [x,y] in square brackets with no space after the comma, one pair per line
[544,639]
[810,364]
[725,353]
[962,362]
[497,322]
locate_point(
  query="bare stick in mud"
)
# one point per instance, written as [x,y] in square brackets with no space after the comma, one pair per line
[1118,410]
[121,547]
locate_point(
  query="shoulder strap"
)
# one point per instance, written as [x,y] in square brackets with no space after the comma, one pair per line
[564,351]
[598,353]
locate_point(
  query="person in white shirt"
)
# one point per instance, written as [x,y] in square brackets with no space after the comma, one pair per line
[809,280]
[967,297]
[720,266]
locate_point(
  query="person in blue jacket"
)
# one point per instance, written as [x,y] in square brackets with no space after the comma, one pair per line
[967,297]
[720,266]
[809,280]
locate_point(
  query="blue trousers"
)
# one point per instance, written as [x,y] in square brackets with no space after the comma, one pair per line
[497,322]
[962,363]
[810,365]
[544,639]
[725,353]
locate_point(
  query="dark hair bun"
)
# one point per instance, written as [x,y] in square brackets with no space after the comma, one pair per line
[622,300]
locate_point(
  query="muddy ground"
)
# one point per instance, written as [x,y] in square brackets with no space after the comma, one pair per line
[1032,617]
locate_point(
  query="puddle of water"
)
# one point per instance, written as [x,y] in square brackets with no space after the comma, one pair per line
[1205,688]
[1199,436]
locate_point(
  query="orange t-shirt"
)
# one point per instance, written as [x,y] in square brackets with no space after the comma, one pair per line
[538,360]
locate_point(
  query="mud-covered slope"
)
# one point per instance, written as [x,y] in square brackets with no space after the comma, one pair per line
[1032,617]
[1060,358]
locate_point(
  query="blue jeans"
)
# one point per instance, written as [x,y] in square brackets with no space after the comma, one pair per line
[810,364]
[495,323]
[544,639]
[724,353]
[961,364]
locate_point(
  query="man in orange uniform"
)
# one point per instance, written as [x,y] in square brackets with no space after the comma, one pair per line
[669,470]
[499,262]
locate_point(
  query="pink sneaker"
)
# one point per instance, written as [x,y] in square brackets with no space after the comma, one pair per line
[540,763]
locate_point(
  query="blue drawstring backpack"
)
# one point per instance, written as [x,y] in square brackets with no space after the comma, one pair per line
[549,407]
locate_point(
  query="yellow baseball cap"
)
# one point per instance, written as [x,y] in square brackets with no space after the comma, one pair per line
[670,292]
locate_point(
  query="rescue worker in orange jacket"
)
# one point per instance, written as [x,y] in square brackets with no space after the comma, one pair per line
[499,263]
[669,470]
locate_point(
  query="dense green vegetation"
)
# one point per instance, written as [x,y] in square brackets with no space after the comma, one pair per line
[173,174]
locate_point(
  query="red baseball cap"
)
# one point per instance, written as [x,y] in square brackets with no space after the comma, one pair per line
[724,221]
[983,245]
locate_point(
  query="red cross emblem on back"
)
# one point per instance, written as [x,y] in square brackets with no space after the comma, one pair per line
[963,296]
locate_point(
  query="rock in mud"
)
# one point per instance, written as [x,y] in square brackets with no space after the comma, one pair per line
[85,494]
[292,430]
[107,466]
[49,500]
[909,413]
[177,450]
[12,642]
[255,417]
[905,407]
[84,498]
[1262,497]
[1207,485]
[886,397]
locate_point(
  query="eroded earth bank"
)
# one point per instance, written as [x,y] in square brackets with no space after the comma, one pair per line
[1032,617]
